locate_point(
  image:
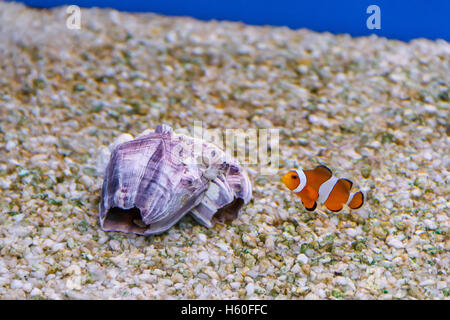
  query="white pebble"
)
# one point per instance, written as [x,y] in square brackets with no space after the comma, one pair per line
[11,145]
[35,292]
[72,270]
[303,259]
[86,181]
[27,287]
[427,155]
[429,108]
[203,256]
[235,285]
[250,289]
[427,282]
[125,137]
[430,224]
[352,232]
[114,245]
[19,217]
[416,192]
[202,237]
[394,242]
[16,284]
[296,269]
[441,285]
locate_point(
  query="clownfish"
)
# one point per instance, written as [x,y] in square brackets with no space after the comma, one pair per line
[319,185]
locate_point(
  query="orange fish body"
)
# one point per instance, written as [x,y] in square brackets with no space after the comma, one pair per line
[319,185]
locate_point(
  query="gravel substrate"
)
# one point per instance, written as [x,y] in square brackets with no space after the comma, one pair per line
[373,110]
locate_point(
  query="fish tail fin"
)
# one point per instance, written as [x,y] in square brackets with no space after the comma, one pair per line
[356,200]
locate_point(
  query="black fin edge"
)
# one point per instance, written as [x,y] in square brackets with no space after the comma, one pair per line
[351,182]
[313,208]
[324,166]
[335,210]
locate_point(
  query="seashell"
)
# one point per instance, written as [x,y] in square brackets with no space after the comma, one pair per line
[153,180]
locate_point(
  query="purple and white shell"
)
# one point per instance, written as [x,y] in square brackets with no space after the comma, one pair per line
[152,181]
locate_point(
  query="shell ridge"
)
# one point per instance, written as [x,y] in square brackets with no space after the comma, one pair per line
[147,184]
[218,195]
[163,225]
[126,153]
[154,162]
[115,181]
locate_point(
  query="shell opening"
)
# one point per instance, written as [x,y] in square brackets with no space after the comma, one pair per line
[125,220]
[230,211]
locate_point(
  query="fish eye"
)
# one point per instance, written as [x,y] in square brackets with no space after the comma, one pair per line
[294,176]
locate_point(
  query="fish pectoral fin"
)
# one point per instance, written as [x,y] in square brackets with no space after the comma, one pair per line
[311,208]
[309,203]
[309,197]
[312,194]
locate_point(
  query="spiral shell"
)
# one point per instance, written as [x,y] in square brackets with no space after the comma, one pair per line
[152,181]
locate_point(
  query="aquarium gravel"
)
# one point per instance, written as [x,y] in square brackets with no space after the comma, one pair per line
[373,110]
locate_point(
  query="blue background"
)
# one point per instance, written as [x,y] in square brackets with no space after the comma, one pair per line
[400,19]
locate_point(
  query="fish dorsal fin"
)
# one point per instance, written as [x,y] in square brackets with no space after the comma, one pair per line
[347,183]
[324,170]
